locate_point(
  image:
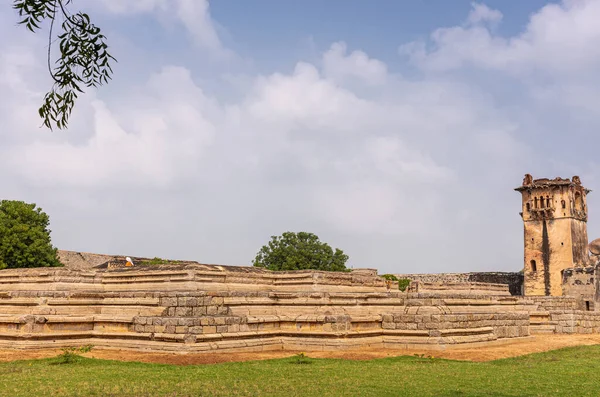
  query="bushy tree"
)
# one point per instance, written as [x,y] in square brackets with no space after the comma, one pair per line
[298,251]
[82,59]
[25,237]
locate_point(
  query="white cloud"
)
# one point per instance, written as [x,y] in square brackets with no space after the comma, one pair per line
[132,7]
[339,65]
[343,146]
[194,15]
[557,42]
[167,135]
[480,13]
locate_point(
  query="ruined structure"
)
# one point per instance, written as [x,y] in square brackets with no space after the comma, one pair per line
[186,306]
[554,215]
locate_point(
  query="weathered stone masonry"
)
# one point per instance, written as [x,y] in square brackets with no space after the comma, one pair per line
[207,308]
[189,307]
[514,280]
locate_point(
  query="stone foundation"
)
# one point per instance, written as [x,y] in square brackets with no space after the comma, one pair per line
[199,308]
[513,280]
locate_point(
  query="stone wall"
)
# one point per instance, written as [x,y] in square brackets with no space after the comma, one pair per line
[576,322]
[514,280]
[252,320]
[461,328]
[466,288]
[208,308]
[580,283]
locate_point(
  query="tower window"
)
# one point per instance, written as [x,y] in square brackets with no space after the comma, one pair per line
[541,202]
[578,202]
[535,204]
[563,204]
[547,201]
[533,265]
[528,207]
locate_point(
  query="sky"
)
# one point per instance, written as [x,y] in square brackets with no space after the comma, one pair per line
[395,131]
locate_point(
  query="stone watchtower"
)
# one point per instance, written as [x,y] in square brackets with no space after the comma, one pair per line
[554,214]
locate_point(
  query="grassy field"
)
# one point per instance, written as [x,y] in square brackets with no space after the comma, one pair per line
[566,372]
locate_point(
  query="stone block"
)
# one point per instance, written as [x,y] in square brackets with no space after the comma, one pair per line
[211,329]
[223,310]
[189,339]
[181,329]
[168,301]
[196,330]
[183,311]
[189,322]
[221,329]
[199,311]
[212,310]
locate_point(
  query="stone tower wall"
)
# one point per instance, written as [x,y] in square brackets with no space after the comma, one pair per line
[554,215]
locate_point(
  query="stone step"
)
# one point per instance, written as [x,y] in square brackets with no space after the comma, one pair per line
[542,329]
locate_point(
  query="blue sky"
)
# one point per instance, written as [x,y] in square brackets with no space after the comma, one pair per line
[394,131]
[271,25]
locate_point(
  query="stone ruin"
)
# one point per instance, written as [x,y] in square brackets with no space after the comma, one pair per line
[193,307]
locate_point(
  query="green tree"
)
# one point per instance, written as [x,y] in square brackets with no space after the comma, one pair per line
[297,251]
[25,237]
[82,59]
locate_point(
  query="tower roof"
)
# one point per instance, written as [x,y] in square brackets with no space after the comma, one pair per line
[530,183]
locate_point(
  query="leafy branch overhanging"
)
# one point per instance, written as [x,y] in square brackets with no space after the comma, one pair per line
[83,60]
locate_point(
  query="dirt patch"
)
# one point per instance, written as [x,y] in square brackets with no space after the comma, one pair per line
[535,344]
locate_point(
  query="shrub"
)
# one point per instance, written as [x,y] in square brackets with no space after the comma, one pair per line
[301,358]
[403,283]
[155,261]
[298,251]
[71,354]
[25,237]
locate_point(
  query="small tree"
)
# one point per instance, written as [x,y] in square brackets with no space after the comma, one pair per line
[24,236]
[298,251]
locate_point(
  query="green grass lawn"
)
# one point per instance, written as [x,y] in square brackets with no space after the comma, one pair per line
[566,372]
